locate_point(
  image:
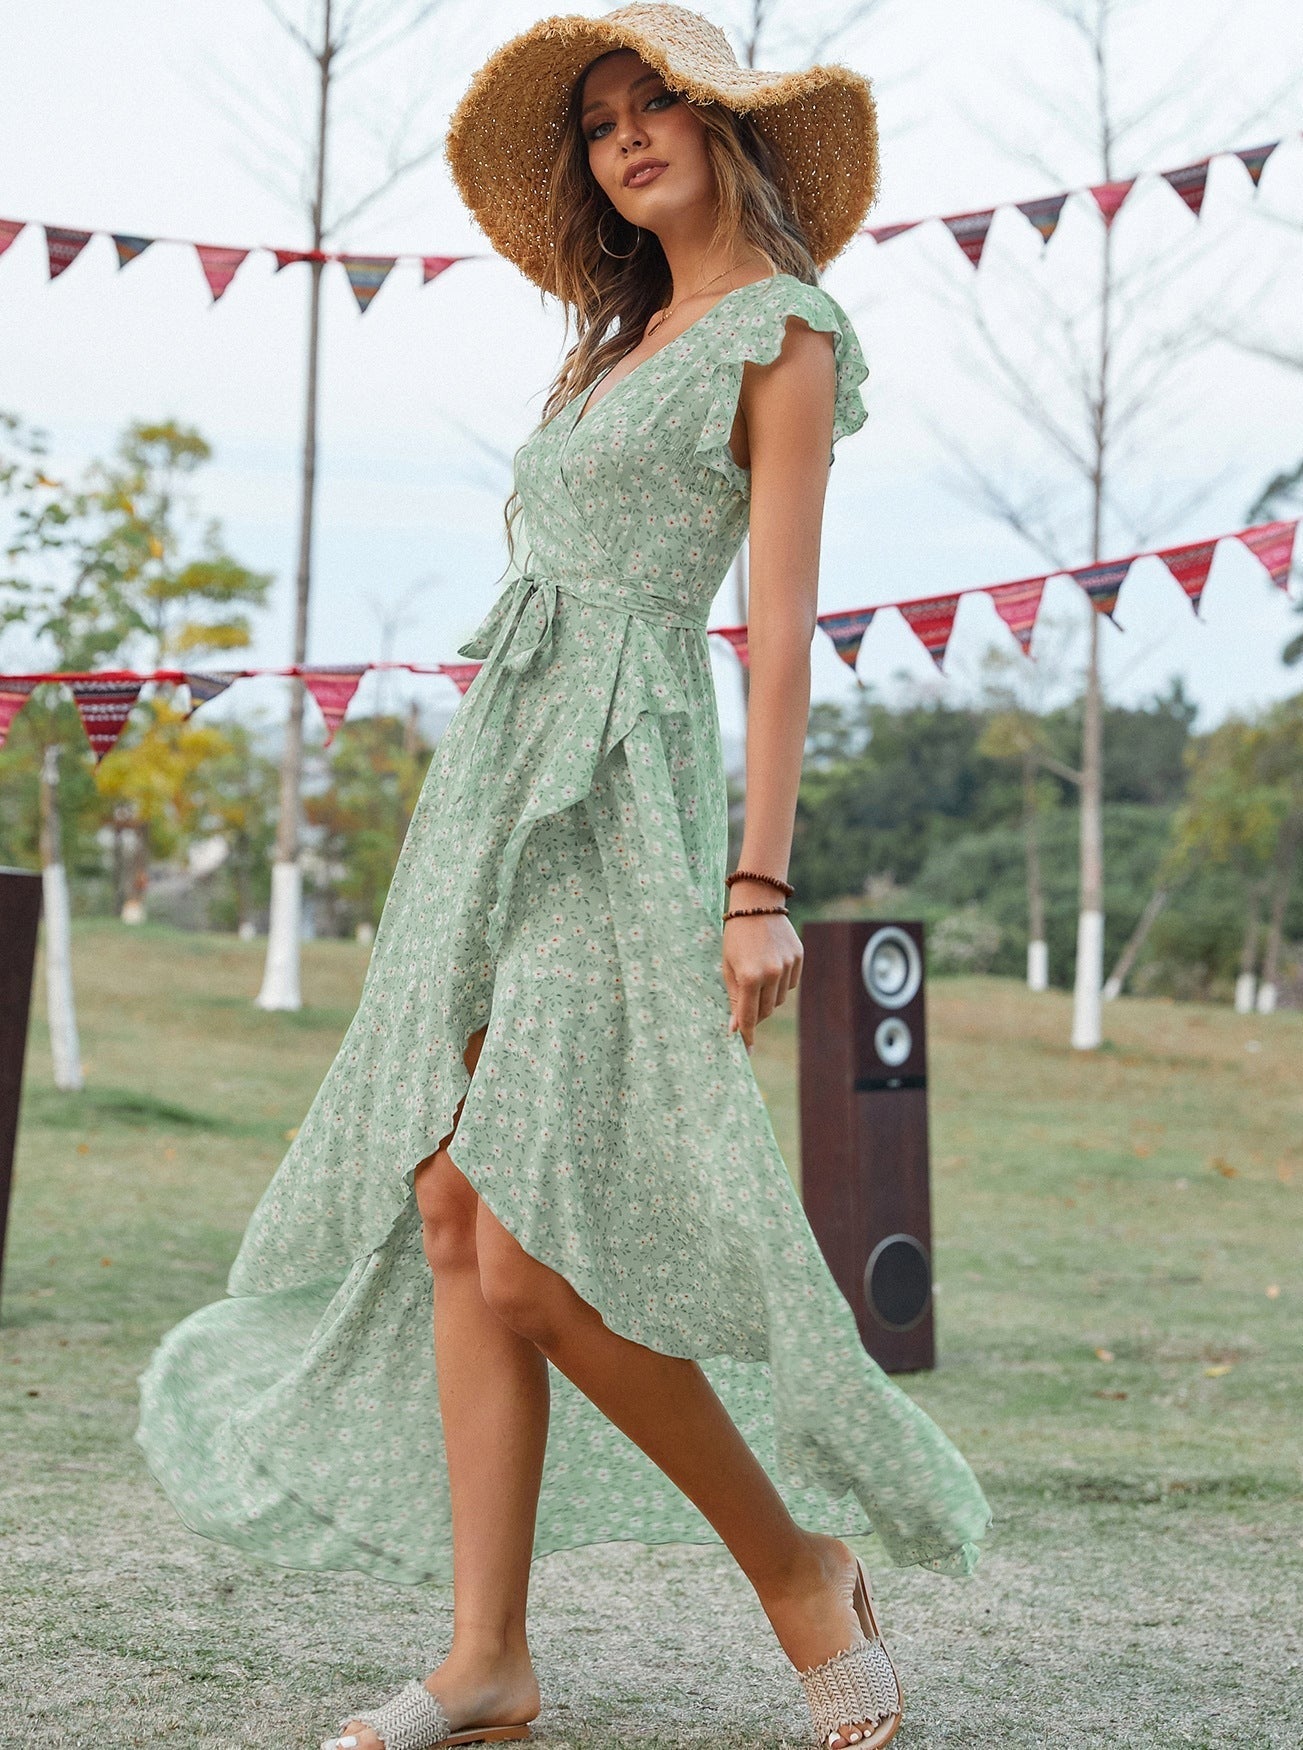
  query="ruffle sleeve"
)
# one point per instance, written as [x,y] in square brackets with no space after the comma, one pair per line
[756,334]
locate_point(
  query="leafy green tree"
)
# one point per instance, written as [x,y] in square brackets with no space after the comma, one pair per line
[377,767]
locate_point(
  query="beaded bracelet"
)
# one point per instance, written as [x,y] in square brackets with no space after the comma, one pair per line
[749,875]
[757,911]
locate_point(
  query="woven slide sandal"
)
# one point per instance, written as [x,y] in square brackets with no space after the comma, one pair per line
[858,1685]
[415,1720]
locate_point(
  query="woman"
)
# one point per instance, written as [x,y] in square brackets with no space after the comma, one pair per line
[545,1100]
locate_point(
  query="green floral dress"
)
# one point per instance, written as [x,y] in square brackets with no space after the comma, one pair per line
[561,883]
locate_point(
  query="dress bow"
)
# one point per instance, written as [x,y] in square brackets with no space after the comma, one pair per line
[530,616]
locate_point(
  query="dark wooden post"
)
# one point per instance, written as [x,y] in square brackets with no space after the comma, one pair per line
[20,914]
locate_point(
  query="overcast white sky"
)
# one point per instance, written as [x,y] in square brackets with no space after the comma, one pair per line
[127,115]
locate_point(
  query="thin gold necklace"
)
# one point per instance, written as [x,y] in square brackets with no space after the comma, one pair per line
[665,315]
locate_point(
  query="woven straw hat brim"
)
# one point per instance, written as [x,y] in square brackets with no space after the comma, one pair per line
[505,132]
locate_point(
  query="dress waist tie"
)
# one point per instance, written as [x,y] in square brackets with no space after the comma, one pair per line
[531,610]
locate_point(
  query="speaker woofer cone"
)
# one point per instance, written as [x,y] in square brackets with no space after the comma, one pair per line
[891,967]
[898,1282]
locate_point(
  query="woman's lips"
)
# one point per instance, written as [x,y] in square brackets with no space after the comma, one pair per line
[641,178]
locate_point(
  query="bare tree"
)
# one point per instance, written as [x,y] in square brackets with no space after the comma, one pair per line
[1089,375]
[335,41]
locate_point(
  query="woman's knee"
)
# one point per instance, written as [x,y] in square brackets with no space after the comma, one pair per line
[447,1204]
[529,1298]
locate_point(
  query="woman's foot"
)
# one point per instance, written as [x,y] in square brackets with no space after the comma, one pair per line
[475,1691]
[813,1614]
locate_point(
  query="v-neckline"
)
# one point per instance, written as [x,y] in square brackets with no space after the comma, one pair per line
[583,401]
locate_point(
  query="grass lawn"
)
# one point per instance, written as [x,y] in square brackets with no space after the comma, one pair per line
[1120,1330]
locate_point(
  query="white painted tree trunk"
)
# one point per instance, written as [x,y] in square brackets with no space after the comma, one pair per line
[1266,1003]
[65,1047]
[1087,1022]
[1038,966]
[1246,991]
[280,978]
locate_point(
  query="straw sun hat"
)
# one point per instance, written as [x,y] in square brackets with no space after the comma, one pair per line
[505,133]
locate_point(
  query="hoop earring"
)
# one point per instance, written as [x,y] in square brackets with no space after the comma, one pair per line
[601,241]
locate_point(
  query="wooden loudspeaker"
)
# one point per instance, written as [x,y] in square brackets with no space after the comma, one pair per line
[864,1130]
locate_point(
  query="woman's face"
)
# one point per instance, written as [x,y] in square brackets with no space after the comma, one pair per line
[631,118]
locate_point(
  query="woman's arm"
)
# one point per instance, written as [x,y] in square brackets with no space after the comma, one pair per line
[787,407]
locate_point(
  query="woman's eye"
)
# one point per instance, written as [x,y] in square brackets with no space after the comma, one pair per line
[663,97]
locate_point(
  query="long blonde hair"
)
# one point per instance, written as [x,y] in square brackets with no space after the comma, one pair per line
[610,301]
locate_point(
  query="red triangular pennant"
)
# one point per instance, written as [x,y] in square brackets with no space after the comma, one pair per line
[129,248]
[847,629]
[1273,543]
[433,265]
[970,231]
[932,621]
[332,686]
[1043,213]
[461,674]
[1018,604]
[63,247]
[366,275]
[1109,196]
[219,265]
[1191,182]
[14,694]
[1190,566]
[9,229]
[736,638]
[104,706]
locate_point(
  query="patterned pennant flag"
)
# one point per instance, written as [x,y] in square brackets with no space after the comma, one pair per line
[219,265]
[932,621]
[1274,545]
[332,686]
[1254,157]
[736,638]
[847,631]
[1018,605]
[1103,583]
[129,248]
[1191,183]
[969,231]
[461,674]
[1190,566]
[366,275]
[286,257]
[206,684]
[104,706]
[14,694]
[433,265]
[1043,213]
[9,229]
[63,247]
[1109,196]
[884,233]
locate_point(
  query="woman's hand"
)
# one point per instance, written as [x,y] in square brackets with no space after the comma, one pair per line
[762,961]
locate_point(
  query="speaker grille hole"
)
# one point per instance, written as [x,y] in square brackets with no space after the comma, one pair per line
[898,1281]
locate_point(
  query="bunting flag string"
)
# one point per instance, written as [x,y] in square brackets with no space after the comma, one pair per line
[220,263]
[1188,181]
[367,273]
[104,699]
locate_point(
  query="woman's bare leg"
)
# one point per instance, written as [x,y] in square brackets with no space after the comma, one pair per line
[667,1406]
[493,1403]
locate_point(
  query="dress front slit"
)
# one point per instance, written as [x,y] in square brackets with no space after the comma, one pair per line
[561,885]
